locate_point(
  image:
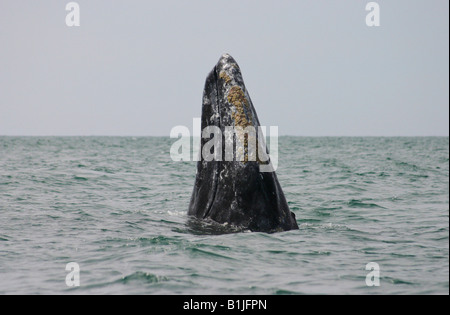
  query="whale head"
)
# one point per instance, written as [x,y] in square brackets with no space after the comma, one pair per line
[230,186]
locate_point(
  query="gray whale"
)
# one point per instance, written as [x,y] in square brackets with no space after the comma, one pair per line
[236,192]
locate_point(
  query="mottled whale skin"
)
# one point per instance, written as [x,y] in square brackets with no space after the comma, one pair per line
[236,192]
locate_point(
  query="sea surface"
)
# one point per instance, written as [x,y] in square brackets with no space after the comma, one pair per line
[117,206]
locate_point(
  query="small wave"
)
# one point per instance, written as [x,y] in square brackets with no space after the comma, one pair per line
[406,165]
[104,170]
[178,213]
[140,276]
[398,281]
[326,226]
[326,211]
[318,253]
[158,240]
[355,203]
[136,277]
[285,292]
[346,187]
[196,250]
[400,255]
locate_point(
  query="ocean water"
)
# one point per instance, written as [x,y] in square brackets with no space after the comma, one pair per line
[117,207]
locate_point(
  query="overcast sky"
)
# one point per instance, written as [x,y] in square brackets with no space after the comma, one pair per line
[312,68]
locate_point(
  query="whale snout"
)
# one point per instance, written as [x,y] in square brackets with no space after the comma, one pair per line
[234,190]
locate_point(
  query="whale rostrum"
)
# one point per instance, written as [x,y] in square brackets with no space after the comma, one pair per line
[238,188]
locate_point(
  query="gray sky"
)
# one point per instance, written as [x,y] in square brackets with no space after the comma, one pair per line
[313,68]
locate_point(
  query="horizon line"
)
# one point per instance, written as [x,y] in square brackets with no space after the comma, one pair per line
[285,135]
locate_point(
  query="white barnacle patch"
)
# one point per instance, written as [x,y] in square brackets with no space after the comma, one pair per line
[223,174]
[214,117]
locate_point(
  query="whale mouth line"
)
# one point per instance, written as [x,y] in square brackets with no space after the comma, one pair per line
[215,183]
